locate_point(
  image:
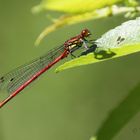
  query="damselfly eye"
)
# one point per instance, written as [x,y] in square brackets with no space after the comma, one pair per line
[85,33]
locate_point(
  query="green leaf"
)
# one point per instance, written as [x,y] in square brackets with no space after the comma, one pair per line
[75,6]
[121,41]
[71,19]
[105,55]
[132,2]
[77,11]
[120,116]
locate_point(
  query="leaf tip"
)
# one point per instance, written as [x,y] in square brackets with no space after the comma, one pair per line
[57,70]
[93,138]
[37,42]
[36,9]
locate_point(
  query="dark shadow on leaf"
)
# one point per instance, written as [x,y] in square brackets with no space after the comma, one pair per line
[91,49]
[104,54]
[100,55]
[120,116]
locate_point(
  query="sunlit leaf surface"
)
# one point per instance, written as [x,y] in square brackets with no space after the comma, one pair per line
[75,11]
[121,41]
[71,19]
[75,6]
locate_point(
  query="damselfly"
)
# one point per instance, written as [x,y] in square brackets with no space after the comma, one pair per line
[16,80]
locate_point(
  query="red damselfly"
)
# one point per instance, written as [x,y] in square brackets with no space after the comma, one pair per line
[16,80]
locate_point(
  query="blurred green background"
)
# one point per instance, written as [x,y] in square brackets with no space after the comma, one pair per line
[71,105]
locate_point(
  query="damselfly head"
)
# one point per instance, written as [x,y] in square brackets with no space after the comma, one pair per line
[85,33]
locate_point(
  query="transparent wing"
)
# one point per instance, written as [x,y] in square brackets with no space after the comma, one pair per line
[14,79]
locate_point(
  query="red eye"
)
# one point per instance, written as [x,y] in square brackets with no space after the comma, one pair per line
[85,33]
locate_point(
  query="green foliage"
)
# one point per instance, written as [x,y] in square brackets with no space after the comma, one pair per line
[79,11]
[102,56]
[131,2]
[75,6]
[69,20]
[73,104]
[120,116]
[121,41]
[76,11]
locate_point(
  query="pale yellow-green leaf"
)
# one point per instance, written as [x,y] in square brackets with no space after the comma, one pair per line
[75,6]
[120,41]
[76,11]
[71,19]
[90,58]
